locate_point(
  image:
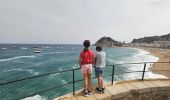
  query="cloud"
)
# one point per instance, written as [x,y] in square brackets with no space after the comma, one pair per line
[63,21]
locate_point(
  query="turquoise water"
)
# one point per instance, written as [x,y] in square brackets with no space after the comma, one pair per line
[19,61]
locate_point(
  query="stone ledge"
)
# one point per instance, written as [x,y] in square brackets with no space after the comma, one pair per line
[149,89]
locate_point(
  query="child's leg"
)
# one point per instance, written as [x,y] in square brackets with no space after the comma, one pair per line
[89,72]
[85,77]
[101,82]
[98,79]
[98,76]
[89,82]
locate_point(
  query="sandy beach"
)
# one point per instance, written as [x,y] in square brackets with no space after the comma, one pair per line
[164,56]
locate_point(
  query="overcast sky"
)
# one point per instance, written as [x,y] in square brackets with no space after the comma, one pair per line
[73,21]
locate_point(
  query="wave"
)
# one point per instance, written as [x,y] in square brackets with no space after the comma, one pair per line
[58,52]
[32,72]
[113,61]
[60,47]
[24,70]
[147,56]
[47,47]
[11,70]
[136,57]
[143,56]
[52,76]
[60,69]
[64,81]
[3,48]
[36,97]
[152,75]
[18,57]
[24,48]
[75,66]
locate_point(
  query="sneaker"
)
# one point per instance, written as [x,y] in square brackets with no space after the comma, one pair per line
[85,93]
[89,92]
[103,90]
[99,90]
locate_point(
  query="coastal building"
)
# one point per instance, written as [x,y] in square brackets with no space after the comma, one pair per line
[155,44]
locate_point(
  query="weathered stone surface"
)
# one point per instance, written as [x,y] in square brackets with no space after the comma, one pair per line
[152,86]
[117,91]
[81,97]
[129,90]
[142,88]
[162,85]
[130,87]
[104,96]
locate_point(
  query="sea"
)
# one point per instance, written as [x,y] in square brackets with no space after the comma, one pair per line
[18,61]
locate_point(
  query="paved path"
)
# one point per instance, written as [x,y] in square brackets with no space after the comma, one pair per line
[121,89]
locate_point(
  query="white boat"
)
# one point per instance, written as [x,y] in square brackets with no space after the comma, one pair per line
[37,49]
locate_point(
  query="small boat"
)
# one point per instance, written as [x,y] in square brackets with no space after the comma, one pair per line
[37,49]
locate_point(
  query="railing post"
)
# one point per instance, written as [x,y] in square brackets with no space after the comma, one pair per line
[113,69]
[73,83]
[143,74]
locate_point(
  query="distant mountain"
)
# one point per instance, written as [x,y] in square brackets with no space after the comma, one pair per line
[151,39]
[107,42]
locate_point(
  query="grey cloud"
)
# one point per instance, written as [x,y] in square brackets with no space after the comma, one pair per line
[60,21]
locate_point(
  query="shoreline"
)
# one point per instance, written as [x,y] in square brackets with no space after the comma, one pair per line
[164,56]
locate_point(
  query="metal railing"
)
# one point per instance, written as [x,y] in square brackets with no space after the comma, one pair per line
[73,76]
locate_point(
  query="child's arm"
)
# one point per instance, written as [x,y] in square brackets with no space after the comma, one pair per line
[95,61]
[80,60]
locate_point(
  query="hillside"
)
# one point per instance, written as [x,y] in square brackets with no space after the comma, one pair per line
[152,39]
[107,42]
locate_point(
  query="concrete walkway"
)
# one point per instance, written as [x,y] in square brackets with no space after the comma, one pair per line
[128,90]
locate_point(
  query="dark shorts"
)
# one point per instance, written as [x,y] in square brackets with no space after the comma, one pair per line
[98,71]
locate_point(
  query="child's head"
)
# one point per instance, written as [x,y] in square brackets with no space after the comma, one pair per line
[86,43]
[98,48]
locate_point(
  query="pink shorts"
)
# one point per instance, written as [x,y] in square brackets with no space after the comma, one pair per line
[87,68]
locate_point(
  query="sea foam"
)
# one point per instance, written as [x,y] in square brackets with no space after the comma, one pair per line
[58,52]
[36,97]
[22,70]
[143,56]
[3,48]
[18,57]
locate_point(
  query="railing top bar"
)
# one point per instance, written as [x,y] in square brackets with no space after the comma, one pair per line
[136,63]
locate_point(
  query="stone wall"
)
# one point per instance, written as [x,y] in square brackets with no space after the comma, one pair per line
[154,95]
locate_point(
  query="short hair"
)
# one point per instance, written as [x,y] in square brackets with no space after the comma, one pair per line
[86,43]
[99,48]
